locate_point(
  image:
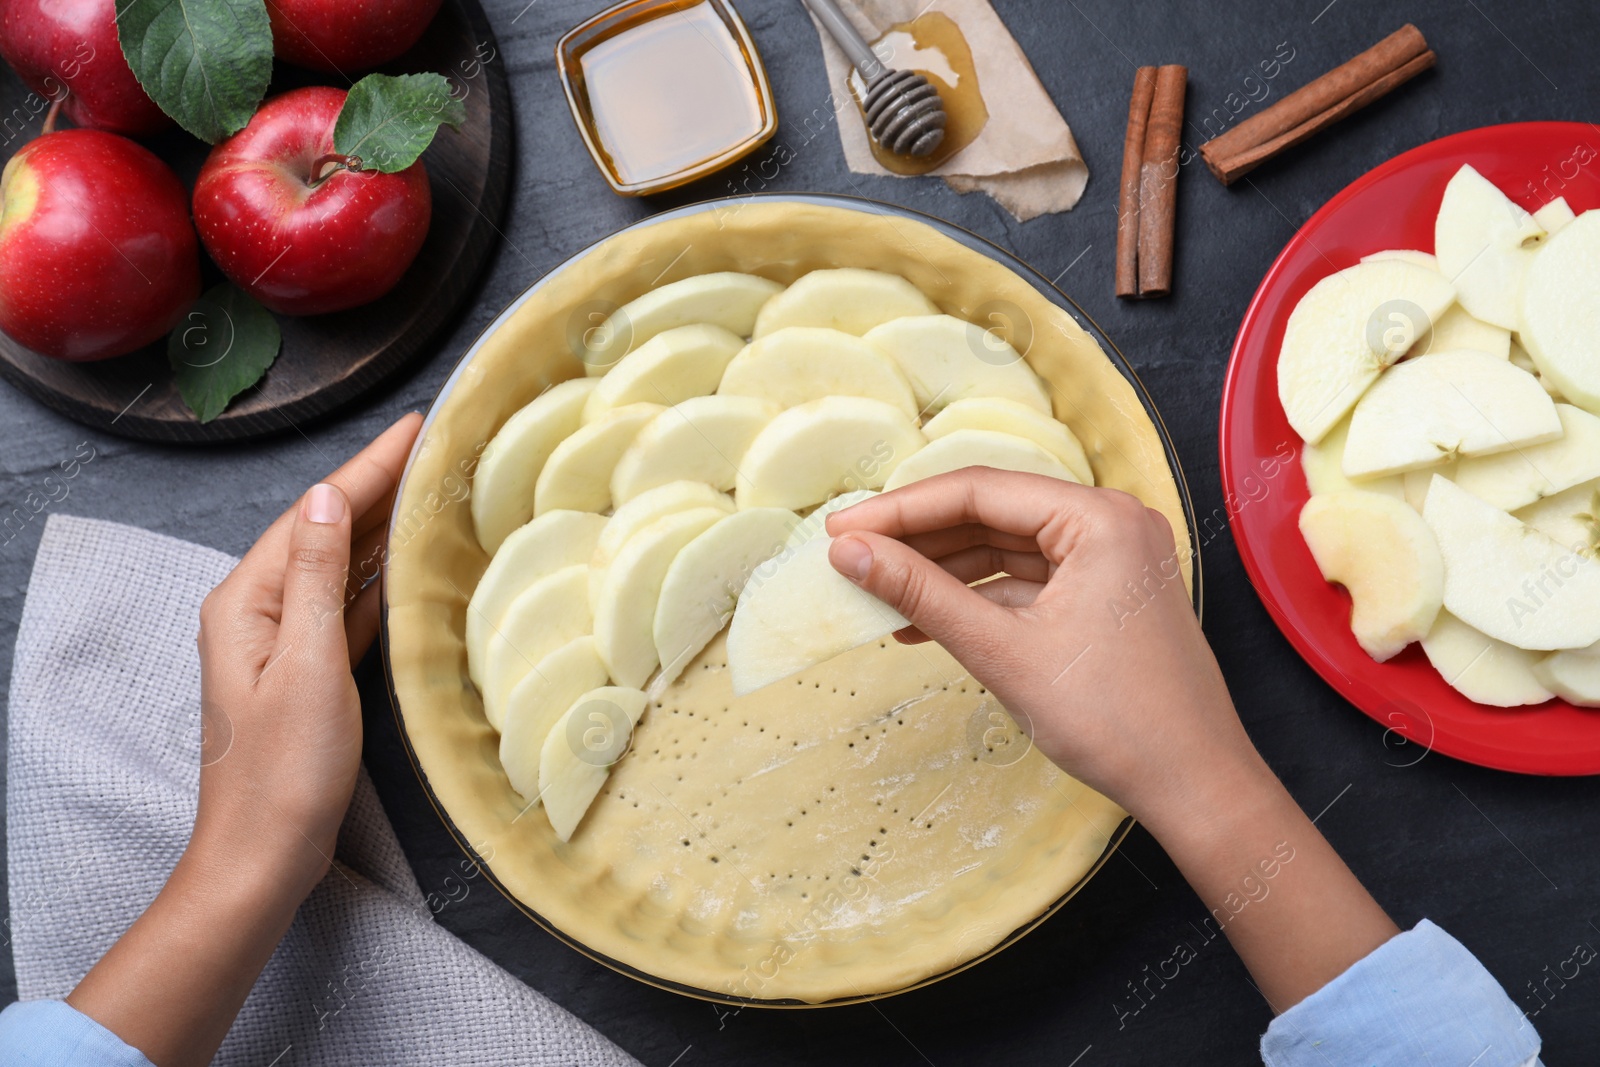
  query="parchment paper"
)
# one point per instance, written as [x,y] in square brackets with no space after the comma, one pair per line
[1025,157]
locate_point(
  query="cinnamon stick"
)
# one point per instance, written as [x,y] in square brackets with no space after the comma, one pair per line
[1342,91]
[1144,88]
[1158,181]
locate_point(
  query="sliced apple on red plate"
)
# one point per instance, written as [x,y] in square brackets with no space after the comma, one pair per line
[1560,317]
[1484,244]
[1444,406]
[1346,330]
[1451,429]
[1323,464]
[1574,675]
[1508,580]
[1482,669]
[1382,552]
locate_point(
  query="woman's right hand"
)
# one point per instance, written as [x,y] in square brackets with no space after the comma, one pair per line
[1091,642]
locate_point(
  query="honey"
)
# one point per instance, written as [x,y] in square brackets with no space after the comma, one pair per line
[932,45]
[666,91]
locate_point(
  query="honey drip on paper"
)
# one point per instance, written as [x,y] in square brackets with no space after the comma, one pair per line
[933,46]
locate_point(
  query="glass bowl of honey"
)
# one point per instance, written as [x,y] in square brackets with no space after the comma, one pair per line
[665,91]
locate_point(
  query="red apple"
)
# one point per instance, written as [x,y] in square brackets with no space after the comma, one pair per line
[71,47]
[295,229]
[345,36]
[97,256]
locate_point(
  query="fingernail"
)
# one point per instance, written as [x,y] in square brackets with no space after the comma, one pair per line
[851,557]
[324,504]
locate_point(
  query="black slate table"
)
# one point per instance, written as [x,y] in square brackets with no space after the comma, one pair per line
[1506,863]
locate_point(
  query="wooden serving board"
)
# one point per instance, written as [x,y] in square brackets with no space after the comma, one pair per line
[326,360]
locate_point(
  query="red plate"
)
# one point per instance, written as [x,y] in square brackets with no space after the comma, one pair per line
[1392,206]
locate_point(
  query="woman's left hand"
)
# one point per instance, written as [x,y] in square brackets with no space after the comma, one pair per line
[278,639]
[279,757]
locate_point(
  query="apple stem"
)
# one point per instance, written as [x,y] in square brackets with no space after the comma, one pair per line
[326,166]
[50,116]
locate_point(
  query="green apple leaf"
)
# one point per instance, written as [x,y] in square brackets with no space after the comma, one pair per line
[387,122]
[206,63]
[223,346]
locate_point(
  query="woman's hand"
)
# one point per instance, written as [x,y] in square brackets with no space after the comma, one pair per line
[1091,642]
[278,638]
[279,759]
[1093,645]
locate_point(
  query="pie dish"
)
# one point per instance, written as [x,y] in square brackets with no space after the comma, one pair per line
[863,828]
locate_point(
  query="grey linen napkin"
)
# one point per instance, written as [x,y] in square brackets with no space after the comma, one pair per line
[104,755]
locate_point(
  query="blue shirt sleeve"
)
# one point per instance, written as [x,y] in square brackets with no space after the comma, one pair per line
[51,1033]
[1419,998]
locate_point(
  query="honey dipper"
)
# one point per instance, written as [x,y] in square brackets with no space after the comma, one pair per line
[903,109]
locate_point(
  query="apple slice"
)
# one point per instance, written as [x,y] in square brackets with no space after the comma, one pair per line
[701,439]
[1508,580]
[705,579]
[797,614]
[537,704]
[1482,669]
[577,476]
[625,611]
[1554,216]
[1323,464]
[1560,315]
[554,540]
[580,750]
[1417,481]
[815,524]
[1520,359]
[503,483]
[949,359]
[641,511]
[1008,416]
[978,448]
[1405,255]
[802,363]
[1342,333]
[670,367]
[1431,410]
[823,447]
[725,298]
[1573,676]
[845,298]
[1484,245]
[1570,517]
[1515,479]
[1384,555]
[551,612]
[1456,329]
